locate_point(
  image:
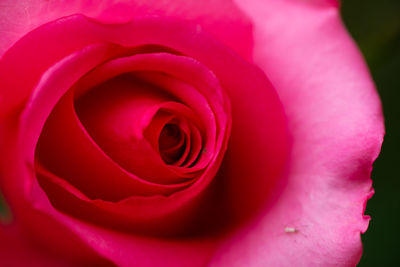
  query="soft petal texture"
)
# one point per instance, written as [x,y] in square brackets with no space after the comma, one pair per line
[16,250]
[18,247]
[336,123]
[222,18]
[191,72]
[130,250]
[61,158]
[136,209]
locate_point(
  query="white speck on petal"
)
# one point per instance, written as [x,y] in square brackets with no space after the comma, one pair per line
[290,230]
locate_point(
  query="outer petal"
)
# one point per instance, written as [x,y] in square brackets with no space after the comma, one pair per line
[335,119]
[16,251]
[19,249]
[220,17]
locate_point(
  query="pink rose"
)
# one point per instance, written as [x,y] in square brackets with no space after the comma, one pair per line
[146,133]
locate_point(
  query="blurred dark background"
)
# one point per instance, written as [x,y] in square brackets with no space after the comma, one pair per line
[375,26]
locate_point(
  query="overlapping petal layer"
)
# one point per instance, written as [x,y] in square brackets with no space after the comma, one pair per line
[189,41]
[336,123]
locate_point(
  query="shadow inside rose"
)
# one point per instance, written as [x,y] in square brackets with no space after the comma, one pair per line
[164,138]
[172,143]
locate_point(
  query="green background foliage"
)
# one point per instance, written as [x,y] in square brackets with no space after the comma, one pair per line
[375,26]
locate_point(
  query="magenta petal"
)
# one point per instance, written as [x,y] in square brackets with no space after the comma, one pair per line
[20,248]
[124,249]
[116,114]
[16,250]
[187,70]
[223,19]
[127,250]
[81,169]
[53,84]
[336,123]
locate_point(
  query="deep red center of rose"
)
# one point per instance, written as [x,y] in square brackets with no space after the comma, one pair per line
[171,143]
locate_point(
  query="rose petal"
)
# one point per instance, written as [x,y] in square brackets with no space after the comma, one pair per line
[144,212]
[81,169]
[335,118]
[19,248]
[193,99]
[115,114]
[189,71]
[128,250]
[222,18]
[15,250]
[53,84]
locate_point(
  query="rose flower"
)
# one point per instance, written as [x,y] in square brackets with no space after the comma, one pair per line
[183,133]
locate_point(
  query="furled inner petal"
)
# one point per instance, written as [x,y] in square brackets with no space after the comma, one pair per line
[171,143]
[124,123]
[57,151]
[186,93]
[171,135]
[203,90]
[116,114]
